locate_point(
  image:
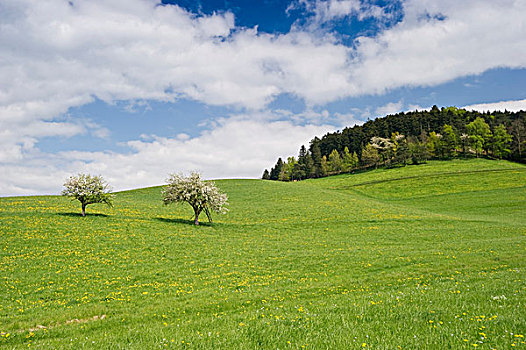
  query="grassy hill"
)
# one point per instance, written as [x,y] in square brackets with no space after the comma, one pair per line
[429,256]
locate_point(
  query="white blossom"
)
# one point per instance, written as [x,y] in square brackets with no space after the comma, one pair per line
[88,189]
[201,195]
[381,143]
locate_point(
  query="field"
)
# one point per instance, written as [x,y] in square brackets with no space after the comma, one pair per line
[421,257]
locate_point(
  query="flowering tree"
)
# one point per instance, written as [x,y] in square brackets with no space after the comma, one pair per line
[383,146]
[88,189]
[201,195]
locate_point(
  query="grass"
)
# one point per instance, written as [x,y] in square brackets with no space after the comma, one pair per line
[429,256]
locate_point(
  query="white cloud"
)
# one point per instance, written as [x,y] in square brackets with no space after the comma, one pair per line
[324,11]
[137,50]
[414,107]
[441,40]
[511,106]
[238,147]
[56,56]
[390,108]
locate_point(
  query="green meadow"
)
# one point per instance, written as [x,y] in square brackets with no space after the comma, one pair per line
[420,257]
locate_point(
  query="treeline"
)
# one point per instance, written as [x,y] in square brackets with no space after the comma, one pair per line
[408,138]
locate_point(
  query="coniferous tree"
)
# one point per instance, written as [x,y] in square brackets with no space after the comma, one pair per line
[302,154]
[402,153]
[309,165]
[397,140]
[276,170]
[266,175]
[300,170]
[412,124]
[316,158]
[443,131]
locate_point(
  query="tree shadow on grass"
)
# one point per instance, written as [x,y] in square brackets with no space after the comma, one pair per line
[80,215]
[187,222]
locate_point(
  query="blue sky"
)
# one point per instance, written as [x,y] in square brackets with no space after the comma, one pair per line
[134,90]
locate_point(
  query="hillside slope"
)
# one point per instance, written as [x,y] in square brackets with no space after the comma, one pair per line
[429,256]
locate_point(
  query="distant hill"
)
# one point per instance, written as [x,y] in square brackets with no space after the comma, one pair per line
[412,137]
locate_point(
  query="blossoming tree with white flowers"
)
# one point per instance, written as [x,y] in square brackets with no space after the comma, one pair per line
[88,189]
[201,195]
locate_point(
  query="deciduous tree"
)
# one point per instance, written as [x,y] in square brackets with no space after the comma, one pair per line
[347,161]
[370,156]
[355,160]
[87,190]
[449,141]
[500,142]
[464,142]
[479,134]
[518,131]
[324,167]
[384,147]
[418,149]
[434,144]
[287,170]
[201,195]
[335,162]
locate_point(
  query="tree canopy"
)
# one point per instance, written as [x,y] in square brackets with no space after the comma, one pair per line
[201,195]
[87,190]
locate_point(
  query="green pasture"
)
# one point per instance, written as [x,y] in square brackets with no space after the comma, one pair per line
[420,257]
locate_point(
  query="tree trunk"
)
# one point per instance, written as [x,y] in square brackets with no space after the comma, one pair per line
[197,211]
[83,209]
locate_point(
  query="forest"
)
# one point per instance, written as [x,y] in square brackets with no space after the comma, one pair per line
[408,138]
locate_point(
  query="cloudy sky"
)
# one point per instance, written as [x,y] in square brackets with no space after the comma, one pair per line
[136,89]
